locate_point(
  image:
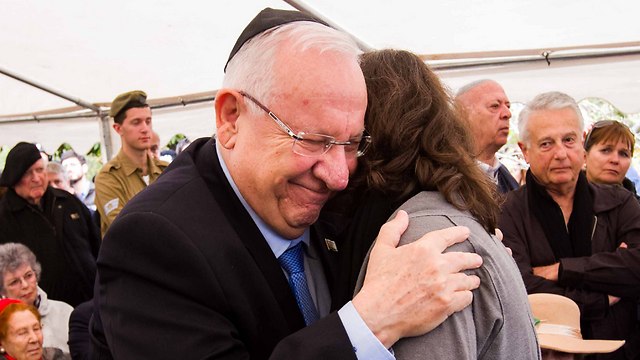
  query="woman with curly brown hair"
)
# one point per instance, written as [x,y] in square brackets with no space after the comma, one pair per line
[420,161]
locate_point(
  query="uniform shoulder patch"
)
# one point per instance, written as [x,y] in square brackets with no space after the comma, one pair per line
[111,205]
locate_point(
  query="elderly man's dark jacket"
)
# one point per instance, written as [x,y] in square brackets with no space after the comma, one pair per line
[184,273]
[610,270]
[63,237]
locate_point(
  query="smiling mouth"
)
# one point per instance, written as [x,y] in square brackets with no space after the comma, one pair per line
[316,196]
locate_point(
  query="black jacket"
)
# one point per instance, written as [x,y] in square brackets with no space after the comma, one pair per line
[184,273]
[610,270]
[63,237]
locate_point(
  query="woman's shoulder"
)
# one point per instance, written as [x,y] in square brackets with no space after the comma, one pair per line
[429,211]
[432,204]
[427,202]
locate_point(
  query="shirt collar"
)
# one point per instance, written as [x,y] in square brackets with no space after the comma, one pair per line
[277,243]
[129,167]
[489,169]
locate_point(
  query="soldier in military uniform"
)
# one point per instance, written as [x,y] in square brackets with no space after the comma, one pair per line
[133,168]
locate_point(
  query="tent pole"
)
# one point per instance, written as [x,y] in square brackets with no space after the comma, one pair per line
[305,8]
[76,101]
[105,135]
[105,130]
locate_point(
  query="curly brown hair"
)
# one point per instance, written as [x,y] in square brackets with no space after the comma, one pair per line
[420,142]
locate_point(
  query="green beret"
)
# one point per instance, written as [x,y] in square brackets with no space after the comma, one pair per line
[126,101]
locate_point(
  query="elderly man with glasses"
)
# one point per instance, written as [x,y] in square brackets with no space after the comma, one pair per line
[224,257]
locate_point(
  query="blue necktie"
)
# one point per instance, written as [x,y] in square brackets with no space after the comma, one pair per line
[292,261]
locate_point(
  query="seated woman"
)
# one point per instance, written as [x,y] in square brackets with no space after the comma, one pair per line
[420,162]
[609,150]
[21,333]
[19,272]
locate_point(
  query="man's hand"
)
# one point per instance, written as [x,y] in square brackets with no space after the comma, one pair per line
[549,272]
[411,289]
[613,300]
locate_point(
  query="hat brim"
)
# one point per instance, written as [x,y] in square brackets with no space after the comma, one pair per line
[578,346]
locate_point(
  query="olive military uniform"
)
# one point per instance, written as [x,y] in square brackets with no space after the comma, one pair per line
[118,181]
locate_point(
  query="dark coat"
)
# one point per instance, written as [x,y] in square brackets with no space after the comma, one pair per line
[506,181]
[185,273]
[63,237]
[586,280]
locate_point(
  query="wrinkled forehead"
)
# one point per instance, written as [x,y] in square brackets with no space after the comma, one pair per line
[22,319]
[17,271]
[491,90]
[332,114]
[316,80]
[547,122]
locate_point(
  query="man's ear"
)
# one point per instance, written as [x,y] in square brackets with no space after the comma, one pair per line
[525,151]
[228,107]
[116,127]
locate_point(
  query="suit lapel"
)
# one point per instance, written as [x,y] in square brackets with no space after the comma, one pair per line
[248,233]
[322,238]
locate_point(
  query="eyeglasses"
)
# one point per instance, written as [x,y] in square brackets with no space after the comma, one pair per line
[602,124]
[16,283]
[316,144]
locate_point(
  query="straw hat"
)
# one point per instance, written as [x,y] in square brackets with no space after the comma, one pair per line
[559,327]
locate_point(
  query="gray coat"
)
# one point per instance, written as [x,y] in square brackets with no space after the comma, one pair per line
[498,324]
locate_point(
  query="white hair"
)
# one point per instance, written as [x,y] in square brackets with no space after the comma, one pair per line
[553,100]
[56,168]
[470,86]
[252,68]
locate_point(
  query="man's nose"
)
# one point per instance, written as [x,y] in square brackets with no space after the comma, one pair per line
[506,113]
[333,168]
[560,152]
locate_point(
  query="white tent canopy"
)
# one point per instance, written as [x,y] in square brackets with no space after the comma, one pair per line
[96,50]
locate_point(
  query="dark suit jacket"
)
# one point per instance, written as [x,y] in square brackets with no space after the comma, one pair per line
[506,181]
[184,273]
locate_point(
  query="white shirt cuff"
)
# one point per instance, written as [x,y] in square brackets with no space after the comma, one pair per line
[365,344]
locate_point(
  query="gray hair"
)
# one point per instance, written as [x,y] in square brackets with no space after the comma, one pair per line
[472,85]
[56,168]
[14,255]
[553,100]
[252,68]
